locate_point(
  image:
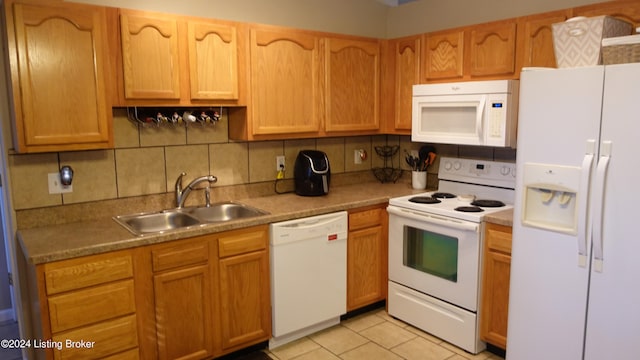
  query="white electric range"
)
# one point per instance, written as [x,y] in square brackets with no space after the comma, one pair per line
[435,243]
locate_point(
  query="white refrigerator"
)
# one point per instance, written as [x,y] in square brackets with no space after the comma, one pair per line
[575,267]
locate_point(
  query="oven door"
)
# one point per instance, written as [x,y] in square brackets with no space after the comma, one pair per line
[435,255]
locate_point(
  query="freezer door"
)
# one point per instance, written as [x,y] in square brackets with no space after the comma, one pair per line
[559,113]
[613,322]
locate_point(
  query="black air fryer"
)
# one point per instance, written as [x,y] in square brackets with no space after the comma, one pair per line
[312,173]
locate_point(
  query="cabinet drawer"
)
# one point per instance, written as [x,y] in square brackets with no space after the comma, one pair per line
[499,238]
[363,219]
[92,305]
[107,338]
[83,272]
[182,254]
[243,241]
[133,354]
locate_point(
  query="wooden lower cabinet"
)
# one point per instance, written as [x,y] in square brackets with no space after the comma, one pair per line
[195,298]
[87,306]
[495,285]
[366,257]
[184,318]
[211,294]
[243,288]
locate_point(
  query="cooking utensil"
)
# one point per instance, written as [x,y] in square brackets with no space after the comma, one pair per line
[412,161]
[427,155]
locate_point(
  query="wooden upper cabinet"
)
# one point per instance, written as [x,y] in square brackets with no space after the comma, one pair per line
[536,39]
[492,49]
[213,61]
[443,55]
[353,85]
[407,74]
[150,56]
[59,65]
[286,82]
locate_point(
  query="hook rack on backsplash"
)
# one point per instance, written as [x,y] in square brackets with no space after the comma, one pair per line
[174,117]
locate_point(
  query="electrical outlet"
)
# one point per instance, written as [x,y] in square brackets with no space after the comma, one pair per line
[357,158]
[55,185]
[280,163]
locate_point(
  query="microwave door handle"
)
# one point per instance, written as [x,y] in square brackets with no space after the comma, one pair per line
[479,116]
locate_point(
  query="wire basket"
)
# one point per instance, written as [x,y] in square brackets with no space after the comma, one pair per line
[387,151]
[386,174]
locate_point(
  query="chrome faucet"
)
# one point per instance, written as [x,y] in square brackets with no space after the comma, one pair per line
[181,194]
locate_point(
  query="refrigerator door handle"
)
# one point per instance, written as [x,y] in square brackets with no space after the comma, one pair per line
[583,235]
[598,218]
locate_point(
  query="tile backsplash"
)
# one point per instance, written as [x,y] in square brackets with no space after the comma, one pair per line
[147,161]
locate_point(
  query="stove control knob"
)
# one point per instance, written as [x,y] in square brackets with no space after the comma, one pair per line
[505,170]
[457,165]
[447,165]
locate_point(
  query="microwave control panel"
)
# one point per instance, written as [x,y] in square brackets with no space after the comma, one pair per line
[496,118]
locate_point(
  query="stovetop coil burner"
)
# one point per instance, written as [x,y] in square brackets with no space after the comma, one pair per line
[424,200]
[443,195]
[468,209]
[487,203]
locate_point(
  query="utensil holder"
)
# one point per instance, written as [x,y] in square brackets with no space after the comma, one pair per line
[419,180]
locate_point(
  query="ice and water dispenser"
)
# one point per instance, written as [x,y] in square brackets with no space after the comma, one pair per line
[551,197]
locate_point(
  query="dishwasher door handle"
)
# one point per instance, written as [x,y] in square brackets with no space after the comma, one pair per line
[308,223]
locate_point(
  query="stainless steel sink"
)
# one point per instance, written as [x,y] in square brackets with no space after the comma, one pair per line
[183,218]
[226,211]
[158,222]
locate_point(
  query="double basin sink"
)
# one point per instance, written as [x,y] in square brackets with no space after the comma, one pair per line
[184,218]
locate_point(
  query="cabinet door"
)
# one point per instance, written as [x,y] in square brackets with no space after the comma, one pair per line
[536,38]
[492,49]
[407,74]
[213,61]
[285,82]
[244,292]
[150,56]
[58,56]
[443,55]
[184,318]
[365,261]
[353,85]
[495,306]
[495,287]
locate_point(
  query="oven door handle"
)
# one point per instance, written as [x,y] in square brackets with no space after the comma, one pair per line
[434,219]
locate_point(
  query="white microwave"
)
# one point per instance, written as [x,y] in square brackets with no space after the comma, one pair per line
[482,113]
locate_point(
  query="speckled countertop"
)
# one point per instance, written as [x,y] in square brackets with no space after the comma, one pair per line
[501,217]
[59,242]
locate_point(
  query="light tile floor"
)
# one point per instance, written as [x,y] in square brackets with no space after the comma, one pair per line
[373,335]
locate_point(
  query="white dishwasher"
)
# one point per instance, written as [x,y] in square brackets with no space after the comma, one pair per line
[308,275]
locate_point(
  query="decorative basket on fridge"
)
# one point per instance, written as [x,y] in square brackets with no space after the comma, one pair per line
[621,50]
